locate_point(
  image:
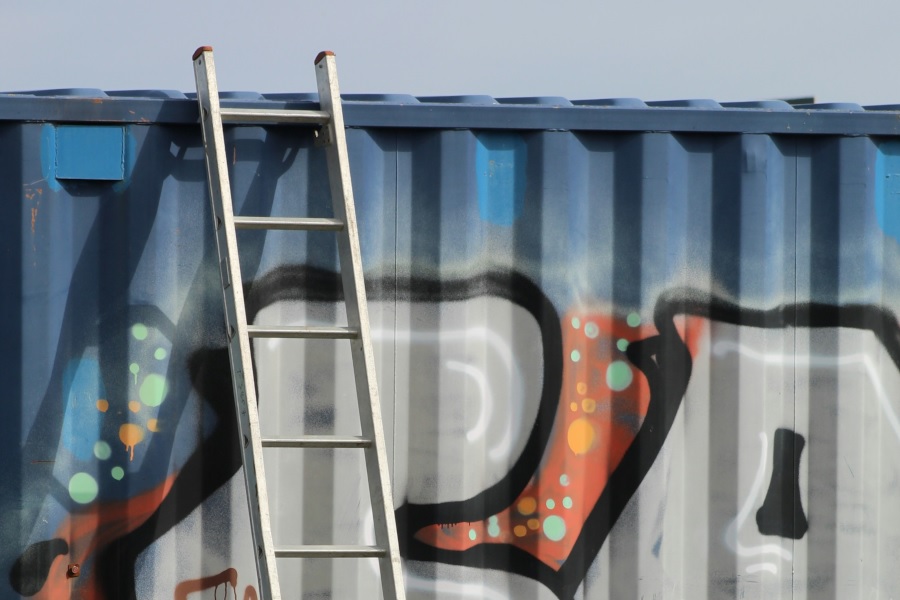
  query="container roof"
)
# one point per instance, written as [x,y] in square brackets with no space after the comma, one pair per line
[470,112]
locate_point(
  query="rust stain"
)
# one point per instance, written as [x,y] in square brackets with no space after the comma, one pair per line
[97,100]
[34,212]
[234,155]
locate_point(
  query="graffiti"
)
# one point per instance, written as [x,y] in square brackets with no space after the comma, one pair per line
[470,533]
[611,388]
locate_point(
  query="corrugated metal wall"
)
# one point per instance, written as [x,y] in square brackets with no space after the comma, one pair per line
[617,362]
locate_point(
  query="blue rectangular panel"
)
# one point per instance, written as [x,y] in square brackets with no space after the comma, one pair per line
[90,152]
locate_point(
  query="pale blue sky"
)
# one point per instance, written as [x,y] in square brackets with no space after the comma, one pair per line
[726,50]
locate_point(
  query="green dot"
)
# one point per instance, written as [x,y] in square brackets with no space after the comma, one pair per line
[564,480]
[82,488]
[551,504]
[622,345]
[567,502]
[554,528]
[102,450]
[494,530]
[160,353]
[618,376]
[472,535]
[153,390]
[576,355]
[134,368]
[633,319]
[118,473]
[139,331]
[591,330]
[576,322]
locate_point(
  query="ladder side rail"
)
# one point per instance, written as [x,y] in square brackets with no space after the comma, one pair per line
[236,325]
[377,467]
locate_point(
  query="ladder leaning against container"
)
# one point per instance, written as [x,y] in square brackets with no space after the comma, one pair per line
[331,121]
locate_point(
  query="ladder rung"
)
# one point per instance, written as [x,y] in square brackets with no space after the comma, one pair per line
[299,223]
[271,115]
[307,332]
[329,552]
[318,441]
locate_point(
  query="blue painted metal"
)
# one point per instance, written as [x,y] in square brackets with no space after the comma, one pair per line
[514,252]
[90,152]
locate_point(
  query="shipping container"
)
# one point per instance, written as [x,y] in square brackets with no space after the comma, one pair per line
[625,349]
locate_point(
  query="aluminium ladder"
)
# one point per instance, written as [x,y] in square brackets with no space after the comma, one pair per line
[331,133]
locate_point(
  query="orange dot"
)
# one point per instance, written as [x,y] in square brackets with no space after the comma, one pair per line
[131,435]
[580,436]
[534,524]
[134,406]
[527,505]
[102,405]
[520,530]
[574,406]
[581,387]
[152,424]
[589,405]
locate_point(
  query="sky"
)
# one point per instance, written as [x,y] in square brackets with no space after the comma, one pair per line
[578,49]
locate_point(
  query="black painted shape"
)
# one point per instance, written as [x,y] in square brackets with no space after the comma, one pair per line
[782,511]
[30,571]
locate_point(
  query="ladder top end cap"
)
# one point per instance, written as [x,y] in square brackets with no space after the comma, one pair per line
[201,50]
[322,55]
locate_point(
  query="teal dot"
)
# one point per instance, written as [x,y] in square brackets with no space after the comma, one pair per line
[160,353]
[567,502]
[633,319]
[591,330]
[118,473]
[551,504]
[494,530]
[139,331]
[564,480]
[618,376]
[82,488]
[576,322]
[102,450]
[622,345]
[554,528]
[472,535]
[576,355]
[153,390]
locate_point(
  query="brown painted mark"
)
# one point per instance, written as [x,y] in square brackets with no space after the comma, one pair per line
[250,593]
[190,586]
